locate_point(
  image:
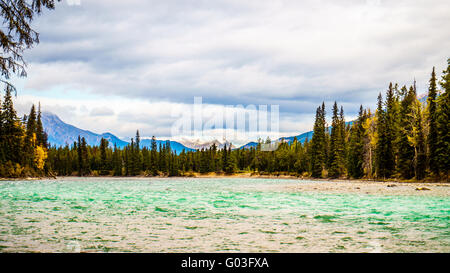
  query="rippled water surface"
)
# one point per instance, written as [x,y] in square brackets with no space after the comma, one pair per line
[209,215]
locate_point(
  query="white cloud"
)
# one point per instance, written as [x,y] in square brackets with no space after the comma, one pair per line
[292,53]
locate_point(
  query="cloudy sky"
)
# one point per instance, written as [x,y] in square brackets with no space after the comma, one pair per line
[117,66]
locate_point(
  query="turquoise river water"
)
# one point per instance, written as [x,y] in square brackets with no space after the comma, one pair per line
[213,215]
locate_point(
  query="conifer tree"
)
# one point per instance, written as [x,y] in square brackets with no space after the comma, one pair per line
[406,148]
[17,34]
[356,146]
[204,161]
[84,158]
[154,157]
[230,165]
[137,153]
[133,168]
[126,156]
[103,157]
[117,161]
[420,160]
[318,146]
[162,158]
[213,158]
[391,131]
[174,165]
[41,135]
[30,142]
[343,134]
[224,158]
[12,130]
[443,124]
[432,139]
[381,146]
[77,145]
[336,149]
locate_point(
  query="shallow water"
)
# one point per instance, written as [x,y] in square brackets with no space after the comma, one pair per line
[213,215]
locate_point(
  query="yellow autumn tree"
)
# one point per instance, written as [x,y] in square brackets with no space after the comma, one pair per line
[40,155]
[371,140]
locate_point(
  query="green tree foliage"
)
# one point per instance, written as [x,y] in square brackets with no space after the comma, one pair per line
[318,146]
[390,130]
[337,144]
[12,131]
[17,34]
[117,162]
[355,159]
[432,142]
[443,125]
[41,135]
[104,164]
[30,137]
[420,159]
[154,157]
[406,147]
[385,161]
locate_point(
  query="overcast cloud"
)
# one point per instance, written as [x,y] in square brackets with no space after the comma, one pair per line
[292,53]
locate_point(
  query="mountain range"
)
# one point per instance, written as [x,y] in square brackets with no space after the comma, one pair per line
[61,134]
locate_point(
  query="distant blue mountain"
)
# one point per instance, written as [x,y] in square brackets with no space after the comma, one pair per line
[249,145]
[308,135]
[175,146]
[300,138]
[61,134]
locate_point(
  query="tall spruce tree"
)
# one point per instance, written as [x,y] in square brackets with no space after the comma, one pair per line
[356,146]
[12,130]
[406,147]
[103,156]
[391,130]
[318,145]
[154,157]
[230,166]
[30,142]
[137,156]
[443,124]
[132,159]
[336,145]
[204,161]
[117,162]
[432,140]
[41,135]
[343,134]
[420,160]
[224,158]
[85,165]
[381,146]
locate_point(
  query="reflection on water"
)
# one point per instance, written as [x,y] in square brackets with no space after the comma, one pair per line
[208,215]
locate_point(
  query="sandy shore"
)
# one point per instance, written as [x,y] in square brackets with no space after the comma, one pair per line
[319,185]
[374,188]
[359,186]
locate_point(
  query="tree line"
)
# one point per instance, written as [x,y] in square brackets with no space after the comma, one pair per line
[23,142]
[402,139]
